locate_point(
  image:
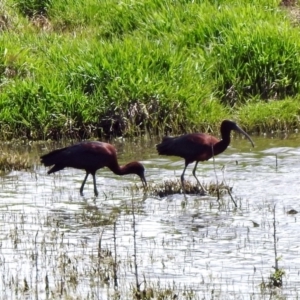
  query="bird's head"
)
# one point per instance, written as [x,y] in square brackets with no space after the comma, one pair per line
[137,168]
[228,125]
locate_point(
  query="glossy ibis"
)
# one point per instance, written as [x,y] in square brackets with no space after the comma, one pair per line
[198,146]
[91,156]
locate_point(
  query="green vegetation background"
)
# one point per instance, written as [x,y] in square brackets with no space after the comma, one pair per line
[86,68]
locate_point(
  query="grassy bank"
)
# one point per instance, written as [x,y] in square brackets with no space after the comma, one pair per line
[84,68]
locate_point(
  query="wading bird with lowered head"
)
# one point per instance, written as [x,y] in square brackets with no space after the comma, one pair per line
[199,146]
[91,156]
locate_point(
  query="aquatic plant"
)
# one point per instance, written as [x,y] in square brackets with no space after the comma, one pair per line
[14,161]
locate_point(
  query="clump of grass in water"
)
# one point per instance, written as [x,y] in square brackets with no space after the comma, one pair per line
[10,162]
[276,277]
[171,187]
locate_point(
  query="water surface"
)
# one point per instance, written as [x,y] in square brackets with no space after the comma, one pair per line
[55,243]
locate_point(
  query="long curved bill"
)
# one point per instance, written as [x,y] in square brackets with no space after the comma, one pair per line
[240,130]
[144,182]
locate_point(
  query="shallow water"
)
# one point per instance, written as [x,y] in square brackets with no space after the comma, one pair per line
[55,243]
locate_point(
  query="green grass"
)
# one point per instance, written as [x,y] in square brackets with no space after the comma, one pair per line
[93,68]
[273,115]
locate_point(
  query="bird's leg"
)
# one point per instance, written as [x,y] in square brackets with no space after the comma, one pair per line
[83,183]
[194,173]
[95,187]
[182,178]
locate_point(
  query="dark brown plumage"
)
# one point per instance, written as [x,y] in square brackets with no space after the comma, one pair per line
[198,146]
[91,156]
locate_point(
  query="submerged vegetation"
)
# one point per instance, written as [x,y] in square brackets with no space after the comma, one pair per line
[15,156]
[171,187]
[14,162]
[94,68]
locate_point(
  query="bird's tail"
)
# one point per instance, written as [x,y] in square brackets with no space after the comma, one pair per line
[166,146]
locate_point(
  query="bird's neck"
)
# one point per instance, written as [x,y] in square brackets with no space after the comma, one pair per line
[222,145]
[119,170]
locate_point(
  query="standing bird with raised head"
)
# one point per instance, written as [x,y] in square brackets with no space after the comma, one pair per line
[91,156]
[198,146]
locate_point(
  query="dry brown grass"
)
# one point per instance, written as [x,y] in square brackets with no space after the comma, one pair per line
[292,9]
[14,161]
